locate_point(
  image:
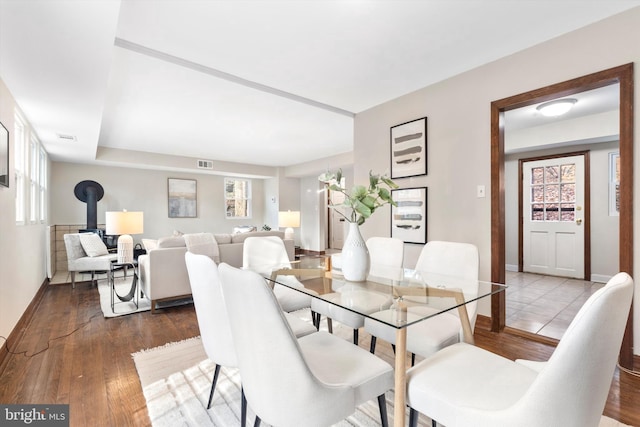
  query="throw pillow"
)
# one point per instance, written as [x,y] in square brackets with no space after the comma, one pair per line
[93,245]
[149,244]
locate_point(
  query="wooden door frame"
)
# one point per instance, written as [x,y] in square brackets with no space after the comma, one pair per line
[587,206]
[624,76]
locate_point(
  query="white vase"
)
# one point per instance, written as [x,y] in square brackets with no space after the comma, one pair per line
[355,256]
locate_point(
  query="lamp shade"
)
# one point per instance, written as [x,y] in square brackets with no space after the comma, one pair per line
[123,224]
[118,223]
[289,219]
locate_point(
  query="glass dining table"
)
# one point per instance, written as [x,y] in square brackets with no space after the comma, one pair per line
[408,297]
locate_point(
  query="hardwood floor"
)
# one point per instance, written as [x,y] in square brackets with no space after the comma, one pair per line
[71,354]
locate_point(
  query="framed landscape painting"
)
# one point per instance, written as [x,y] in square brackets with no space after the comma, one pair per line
[409,217]
[4,156]
[409,149]
[182,198]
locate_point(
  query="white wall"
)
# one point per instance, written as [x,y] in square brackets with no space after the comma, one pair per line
[22,248]
[146,191]
[459,131]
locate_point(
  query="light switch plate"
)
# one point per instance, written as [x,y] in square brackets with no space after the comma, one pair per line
[481,191]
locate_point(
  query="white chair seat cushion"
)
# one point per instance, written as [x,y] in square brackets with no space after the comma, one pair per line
[93,245]
[299,327]
[292,299]
[423,338]
[361,300]
[456,388]
[337,362]
[97,263]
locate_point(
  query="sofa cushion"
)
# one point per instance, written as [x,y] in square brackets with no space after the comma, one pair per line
[203,244]
[93,245]
[223,239]
[239,238]
[171,242]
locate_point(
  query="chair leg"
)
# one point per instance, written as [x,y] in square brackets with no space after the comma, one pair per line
[372,347]
[382,404]
[355,336]
[434,423]
[413,417]
[413,359]
[316,320]
[213,385]
[73,279]
[256,423]
[243,408]
[393,346]
[330,325]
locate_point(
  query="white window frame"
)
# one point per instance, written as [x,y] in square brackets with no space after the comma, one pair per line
[43,184]
[34,191]
[19,151]
[246,198]
[614,184]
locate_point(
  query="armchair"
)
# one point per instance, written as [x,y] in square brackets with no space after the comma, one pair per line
[79,260]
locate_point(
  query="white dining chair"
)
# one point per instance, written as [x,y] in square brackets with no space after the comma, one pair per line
[316,380]
[451,259]
[267,253]
[463,385]
[213,321]
[384,253]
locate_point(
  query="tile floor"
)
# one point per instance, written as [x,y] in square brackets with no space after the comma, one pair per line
[545,305]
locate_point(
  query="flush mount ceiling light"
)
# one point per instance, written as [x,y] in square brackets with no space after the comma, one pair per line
[557,107]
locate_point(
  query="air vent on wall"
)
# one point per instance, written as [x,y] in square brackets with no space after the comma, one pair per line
[205,164]
[68,138]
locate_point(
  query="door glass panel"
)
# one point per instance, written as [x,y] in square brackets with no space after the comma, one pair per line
[551,212]
[568,212]
[551,174]
[551,193]
[537,193]
[568,192]
[568,172]
[537,175]
[537,212]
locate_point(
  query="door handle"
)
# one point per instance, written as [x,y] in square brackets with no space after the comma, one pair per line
[579,221]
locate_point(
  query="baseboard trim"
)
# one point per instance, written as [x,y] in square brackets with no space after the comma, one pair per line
[18,331]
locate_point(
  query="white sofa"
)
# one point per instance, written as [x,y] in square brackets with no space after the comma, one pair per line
[163,273]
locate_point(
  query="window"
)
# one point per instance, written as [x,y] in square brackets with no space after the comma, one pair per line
[33,180]
[43,184]
[19,167]
[614,184]
[237,194]
[553,193]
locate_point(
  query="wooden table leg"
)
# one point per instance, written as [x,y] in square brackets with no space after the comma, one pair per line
[400,377]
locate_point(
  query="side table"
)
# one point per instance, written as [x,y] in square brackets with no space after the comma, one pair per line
[132,295]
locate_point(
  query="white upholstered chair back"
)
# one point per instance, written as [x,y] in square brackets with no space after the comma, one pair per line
[385,253]
[583,363]
[264,251]
[211,310]
[278,384]
[454,259]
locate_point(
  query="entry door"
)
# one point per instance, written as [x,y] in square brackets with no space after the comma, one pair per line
[553,216]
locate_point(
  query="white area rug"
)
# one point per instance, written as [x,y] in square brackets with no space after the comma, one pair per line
[121,308]
[176,380]
[180,398]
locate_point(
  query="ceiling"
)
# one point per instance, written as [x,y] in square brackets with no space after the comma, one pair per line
[272,83]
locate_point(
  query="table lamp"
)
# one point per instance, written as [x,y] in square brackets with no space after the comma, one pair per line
[124,224]
[289,219]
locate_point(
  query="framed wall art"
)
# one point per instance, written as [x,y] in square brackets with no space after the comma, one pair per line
[182,198]
[409,217]
[4,156]
[409,149]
